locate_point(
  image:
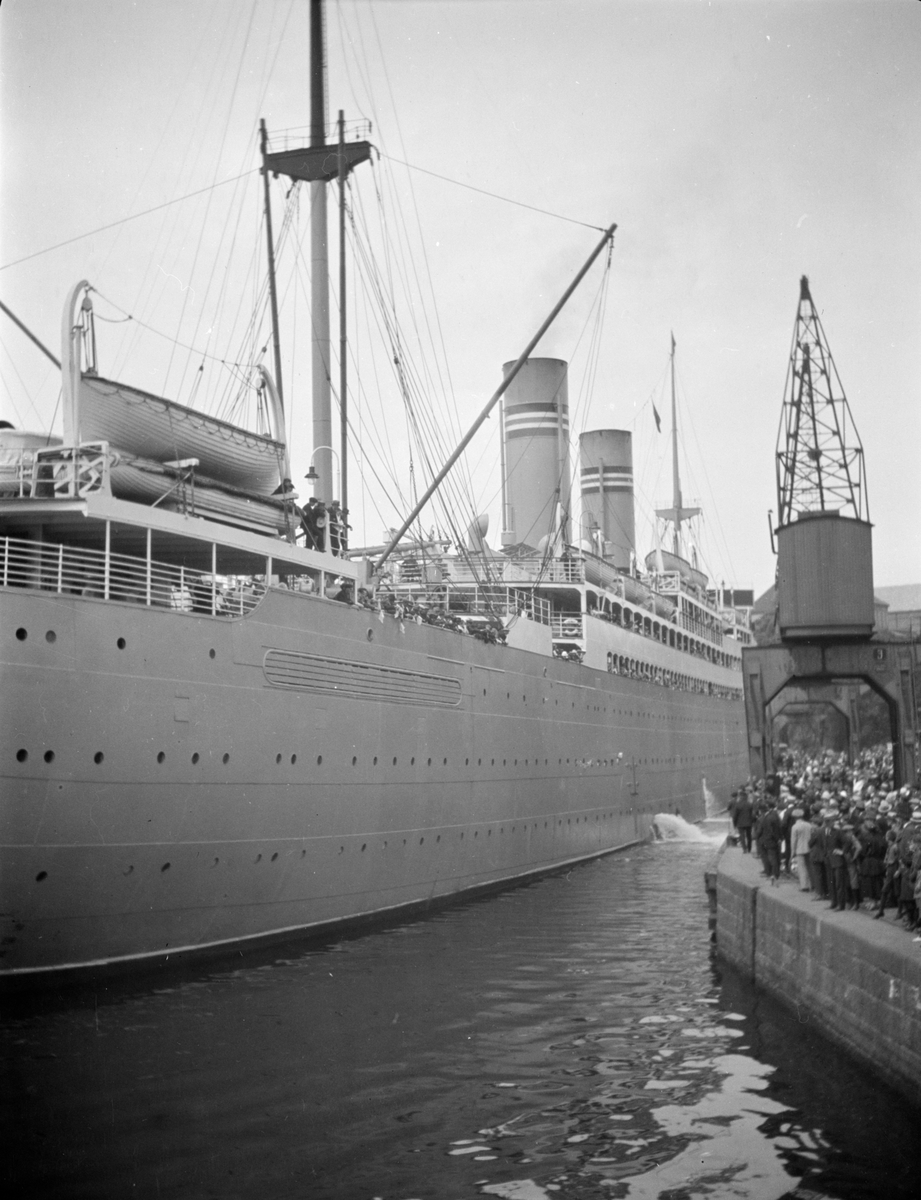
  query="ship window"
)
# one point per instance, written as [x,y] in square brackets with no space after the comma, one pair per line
[429,762]
[22,755]
[21,634]
[165,867]
[277,759]
[161,757]
[225,759]
[293,759]
[275,855]
[121,643]
[374,763]
[49,756]
[394,762]
[354,760]
[98,757]
[51,637]
[42,875]
[211,653]
[195,757]
[319,760]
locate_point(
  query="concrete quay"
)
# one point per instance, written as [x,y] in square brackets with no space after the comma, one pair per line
[856,979]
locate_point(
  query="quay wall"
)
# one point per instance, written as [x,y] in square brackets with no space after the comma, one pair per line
[856,979]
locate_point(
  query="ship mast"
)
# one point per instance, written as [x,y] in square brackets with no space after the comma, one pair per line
[319,164]
[677,513]
[319,270]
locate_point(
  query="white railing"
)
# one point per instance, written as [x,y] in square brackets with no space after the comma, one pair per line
[487,601]
[77,571]
[566,625]
[529,569]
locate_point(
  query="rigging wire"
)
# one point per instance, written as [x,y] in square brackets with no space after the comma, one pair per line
[493,195]
[124,220]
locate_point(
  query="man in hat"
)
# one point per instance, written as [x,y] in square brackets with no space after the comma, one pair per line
[744,820]
[800,833]
[770,833]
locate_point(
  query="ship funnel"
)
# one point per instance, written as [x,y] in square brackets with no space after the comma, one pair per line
[535,431]
[606,474]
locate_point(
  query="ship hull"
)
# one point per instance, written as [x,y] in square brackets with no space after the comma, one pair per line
[176,782]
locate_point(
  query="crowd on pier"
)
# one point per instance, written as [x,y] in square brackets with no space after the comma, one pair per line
[850,836]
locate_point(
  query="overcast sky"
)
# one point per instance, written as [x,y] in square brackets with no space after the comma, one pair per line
[736,145]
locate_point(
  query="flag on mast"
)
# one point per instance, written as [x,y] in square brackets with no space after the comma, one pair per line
[655,413]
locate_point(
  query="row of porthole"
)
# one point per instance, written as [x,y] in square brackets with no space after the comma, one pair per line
[51,637]
[43,875]
[22,755]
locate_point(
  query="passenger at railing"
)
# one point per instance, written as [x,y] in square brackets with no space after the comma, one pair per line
[180,597]
[202,595]
[313,523]
[304,583]
[337,528]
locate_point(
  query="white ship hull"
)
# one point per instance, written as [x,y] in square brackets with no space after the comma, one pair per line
[174,782]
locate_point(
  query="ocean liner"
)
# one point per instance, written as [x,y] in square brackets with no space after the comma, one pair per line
[220,724]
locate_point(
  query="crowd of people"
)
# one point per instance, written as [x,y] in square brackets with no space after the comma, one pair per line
[851,837]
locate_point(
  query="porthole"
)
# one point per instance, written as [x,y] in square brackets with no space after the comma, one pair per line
[161,757]
[364,846]
[374,763]
[49,756]
[466,762]
[225,759]
[438,838]
[22,755]
[98,757]
[319,760]
[445,763]
[42,875]
[277,759]
[421,840]
[492,762]
[479,762]
[21,634]
[430,762]
[51,637]
[165,867]
[121,643]
[293,759]
[412,761]
[195,757]
[370,635]
[354,760]
[212,653]
[394,762]
[274,856]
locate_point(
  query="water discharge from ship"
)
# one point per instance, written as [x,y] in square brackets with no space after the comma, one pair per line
[668,827]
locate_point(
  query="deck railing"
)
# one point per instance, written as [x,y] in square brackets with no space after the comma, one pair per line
[80,571]
[487,601]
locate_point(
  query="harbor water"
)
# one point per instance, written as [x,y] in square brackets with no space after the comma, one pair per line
[570,1038]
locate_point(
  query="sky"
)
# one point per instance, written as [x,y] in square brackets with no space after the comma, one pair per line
[737,146]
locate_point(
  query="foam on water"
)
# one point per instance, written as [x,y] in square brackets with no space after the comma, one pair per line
[669,828]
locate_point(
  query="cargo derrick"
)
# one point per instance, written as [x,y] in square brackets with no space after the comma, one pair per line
[824,638]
